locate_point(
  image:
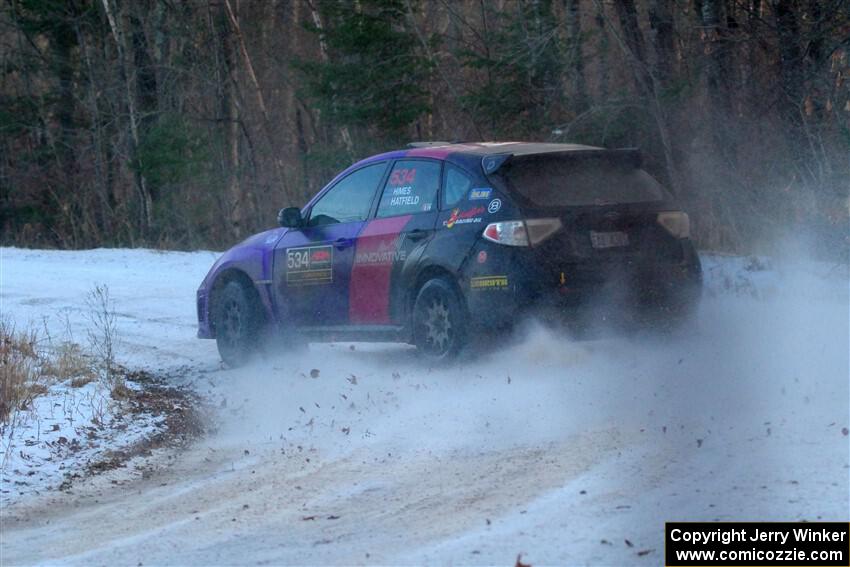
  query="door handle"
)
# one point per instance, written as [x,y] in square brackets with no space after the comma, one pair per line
[341,243]
[418,234]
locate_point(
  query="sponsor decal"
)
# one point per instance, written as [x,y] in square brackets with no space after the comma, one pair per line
[464,217]
[480,194]
[369,288]
[494,206]
[482,256]
[386,253]
[485,283]
[309,265]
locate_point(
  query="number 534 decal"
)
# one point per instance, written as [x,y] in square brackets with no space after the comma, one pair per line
[310,265]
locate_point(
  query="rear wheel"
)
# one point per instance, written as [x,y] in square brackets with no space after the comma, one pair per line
[238,321]
[439,321]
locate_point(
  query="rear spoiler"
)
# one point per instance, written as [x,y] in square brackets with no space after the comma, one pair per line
[630,156]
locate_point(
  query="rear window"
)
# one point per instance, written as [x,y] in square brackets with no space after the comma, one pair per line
[565,182]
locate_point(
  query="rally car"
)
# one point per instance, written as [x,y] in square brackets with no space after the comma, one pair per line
[438,243]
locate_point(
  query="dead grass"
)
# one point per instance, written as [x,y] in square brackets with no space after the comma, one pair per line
[20,369]
[30,362]
[69,362]
[29,365]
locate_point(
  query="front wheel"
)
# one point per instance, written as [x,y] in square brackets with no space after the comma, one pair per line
[439,320]
[238,321]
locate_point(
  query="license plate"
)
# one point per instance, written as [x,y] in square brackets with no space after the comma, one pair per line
[608,239]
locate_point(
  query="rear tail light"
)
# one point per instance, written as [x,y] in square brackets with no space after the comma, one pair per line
[676,223]
[522,233]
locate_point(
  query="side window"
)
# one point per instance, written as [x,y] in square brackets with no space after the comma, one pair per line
[456,185]
[350,199]
[411,188]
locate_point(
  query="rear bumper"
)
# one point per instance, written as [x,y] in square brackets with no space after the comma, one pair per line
[510,285]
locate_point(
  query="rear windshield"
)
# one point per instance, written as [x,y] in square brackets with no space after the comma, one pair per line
[566,181]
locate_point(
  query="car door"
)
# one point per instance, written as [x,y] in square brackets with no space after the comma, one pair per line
[391,243]
[312,264]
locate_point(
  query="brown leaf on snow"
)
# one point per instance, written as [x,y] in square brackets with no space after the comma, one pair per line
[845,431]
[352,380]
[643,552]
[307,518]
[314,373]
[519,562]
[630,544]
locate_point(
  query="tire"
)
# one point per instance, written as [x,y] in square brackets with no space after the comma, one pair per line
[439,321]
[238,322]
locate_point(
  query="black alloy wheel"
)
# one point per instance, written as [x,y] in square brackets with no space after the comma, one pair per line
[439,325]
[237,319]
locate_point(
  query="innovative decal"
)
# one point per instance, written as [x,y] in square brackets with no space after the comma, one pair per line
[310,265]
[379,248]
[386,253]
[485,283]
[494,206]
[464,217]
[480,194]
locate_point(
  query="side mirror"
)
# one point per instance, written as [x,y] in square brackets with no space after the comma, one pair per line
[290,217]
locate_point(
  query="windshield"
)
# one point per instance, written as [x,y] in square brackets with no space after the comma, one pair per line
[559,181]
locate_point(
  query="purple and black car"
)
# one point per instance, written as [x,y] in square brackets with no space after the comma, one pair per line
[442,242]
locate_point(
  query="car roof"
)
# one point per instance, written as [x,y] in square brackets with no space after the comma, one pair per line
[466,153]
[441,150]
[490,148]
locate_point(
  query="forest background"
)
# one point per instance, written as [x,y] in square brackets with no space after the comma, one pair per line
[188,124]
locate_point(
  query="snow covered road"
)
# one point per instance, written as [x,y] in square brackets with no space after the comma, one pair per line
[567,452]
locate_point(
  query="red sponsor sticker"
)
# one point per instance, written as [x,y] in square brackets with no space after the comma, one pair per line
[458,215]
[320,256]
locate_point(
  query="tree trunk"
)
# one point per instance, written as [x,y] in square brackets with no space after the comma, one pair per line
[601,24]
[661,21]
[235,197]
[261,102]
[632,45]
[790,57]
[145,201]
[323,51]
[572,10]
